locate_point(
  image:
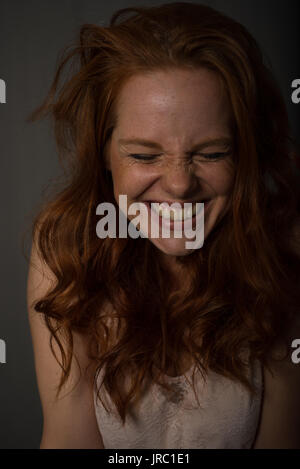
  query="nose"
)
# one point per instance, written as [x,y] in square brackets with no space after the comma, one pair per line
[179,179]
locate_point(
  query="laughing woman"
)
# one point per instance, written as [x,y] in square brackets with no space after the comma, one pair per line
[141,342]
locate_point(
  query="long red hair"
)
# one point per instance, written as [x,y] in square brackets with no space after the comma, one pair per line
[243,289]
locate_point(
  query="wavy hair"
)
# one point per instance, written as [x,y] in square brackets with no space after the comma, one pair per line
[242,290]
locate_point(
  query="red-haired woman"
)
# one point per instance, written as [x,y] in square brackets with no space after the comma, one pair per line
[141,342]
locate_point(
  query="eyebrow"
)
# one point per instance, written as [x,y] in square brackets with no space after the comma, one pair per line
[224,141]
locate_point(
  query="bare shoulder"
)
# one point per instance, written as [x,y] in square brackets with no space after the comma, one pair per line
[280,418]
[69,421]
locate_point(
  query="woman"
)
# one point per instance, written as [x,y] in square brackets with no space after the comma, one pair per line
[157,345]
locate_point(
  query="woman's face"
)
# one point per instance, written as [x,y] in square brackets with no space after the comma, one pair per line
[184,120]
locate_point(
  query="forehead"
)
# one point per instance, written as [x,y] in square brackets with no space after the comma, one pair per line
[179,103]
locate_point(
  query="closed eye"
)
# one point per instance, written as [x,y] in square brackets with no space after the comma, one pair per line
[208,156]
[213,156]
[143,157]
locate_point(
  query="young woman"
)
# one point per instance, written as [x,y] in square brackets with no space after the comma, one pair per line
[142,342]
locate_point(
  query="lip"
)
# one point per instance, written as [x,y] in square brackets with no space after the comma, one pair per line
[176,223]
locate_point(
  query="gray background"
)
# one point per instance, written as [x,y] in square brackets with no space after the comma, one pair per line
[31,35]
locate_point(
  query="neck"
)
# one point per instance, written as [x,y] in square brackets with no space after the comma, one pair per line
[177,272]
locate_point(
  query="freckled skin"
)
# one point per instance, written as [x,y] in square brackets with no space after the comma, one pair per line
[178,109]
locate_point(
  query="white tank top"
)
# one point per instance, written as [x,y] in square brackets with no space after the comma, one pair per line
[227,417]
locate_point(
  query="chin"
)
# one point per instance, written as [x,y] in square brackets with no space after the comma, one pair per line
[172,247]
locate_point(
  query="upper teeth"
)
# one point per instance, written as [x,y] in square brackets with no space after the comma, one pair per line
[165,211]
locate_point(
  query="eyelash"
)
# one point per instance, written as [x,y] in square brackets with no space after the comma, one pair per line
[209,156]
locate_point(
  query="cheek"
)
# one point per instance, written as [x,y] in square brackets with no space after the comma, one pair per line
[130,179]
[220,180]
